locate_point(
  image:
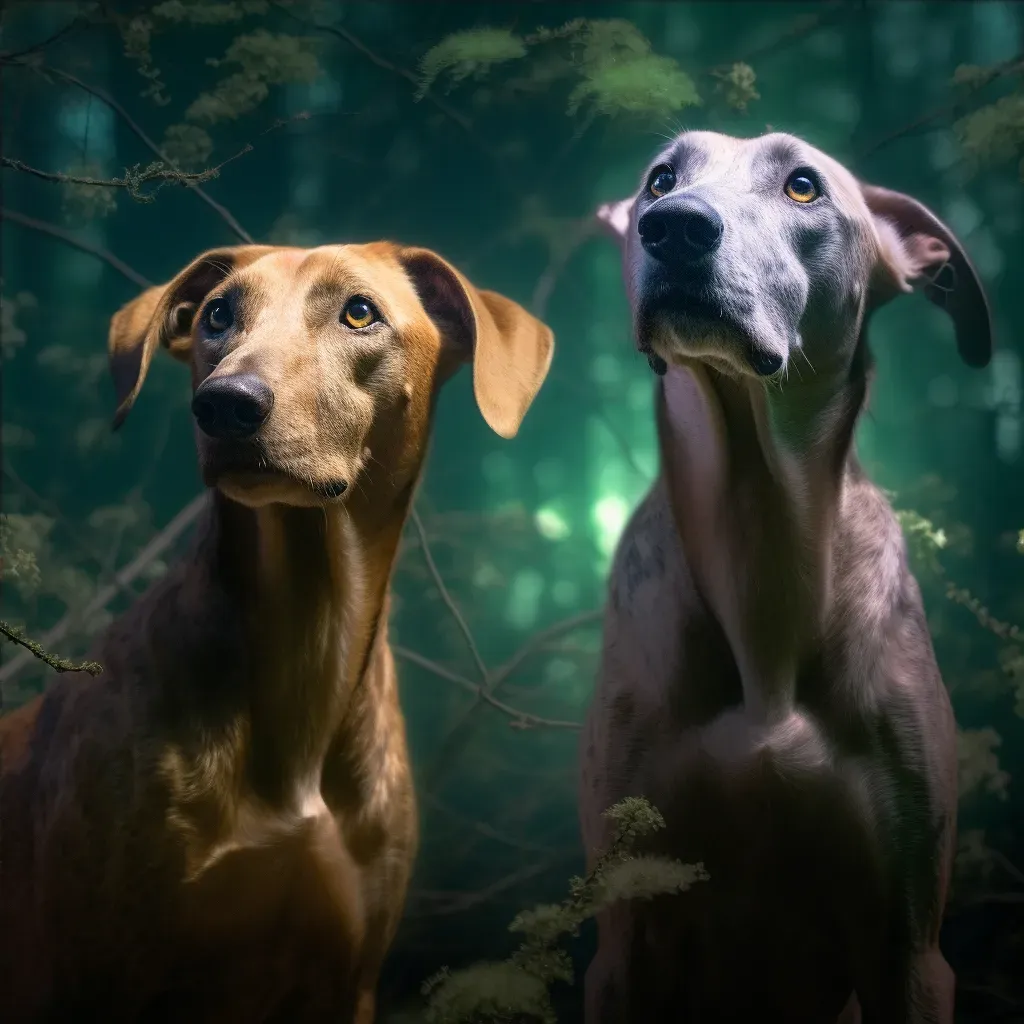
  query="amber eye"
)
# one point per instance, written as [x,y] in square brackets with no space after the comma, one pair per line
[801,188]
[664,180]
[359,313]
[218,316]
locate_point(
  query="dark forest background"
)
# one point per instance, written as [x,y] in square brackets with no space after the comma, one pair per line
[491,132]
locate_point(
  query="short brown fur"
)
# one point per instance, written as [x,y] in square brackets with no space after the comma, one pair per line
[221,826]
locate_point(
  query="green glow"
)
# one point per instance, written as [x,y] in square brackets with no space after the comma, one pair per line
[550,524]
[524,599]
[609,515]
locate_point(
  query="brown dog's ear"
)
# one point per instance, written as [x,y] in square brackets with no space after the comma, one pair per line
[511,350]
[615,218]
[919,252]
[163,315]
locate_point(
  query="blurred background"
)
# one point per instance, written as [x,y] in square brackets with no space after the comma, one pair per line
[491,132]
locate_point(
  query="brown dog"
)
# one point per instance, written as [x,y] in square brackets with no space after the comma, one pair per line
[221,826]
[768,680]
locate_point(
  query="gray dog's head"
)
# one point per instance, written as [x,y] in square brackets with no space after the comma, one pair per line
[744,253]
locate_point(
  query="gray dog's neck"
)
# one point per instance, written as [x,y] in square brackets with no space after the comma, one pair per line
[755,475]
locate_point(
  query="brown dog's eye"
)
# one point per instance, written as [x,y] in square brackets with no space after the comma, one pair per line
[801,188]
[663,181]
[359,313]
[218,316]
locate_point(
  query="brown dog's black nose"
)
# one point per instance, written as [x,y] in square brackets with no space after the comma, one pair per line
[680,229]
[232,407]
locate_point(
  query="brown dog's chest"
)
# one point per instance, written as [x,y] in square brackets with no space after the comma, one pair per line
[277,920]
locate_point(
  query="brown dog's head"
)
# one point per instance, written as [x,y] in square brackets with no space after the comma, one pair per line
[744,253]
[311,366]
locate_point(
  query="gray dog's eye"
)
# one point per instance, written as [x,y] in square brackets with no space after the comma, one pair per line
[217,316]
[663,180]
[801,187]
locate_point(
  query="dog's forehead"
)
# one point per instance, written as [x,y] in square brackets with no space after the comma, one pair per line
[697,153]
[340,267]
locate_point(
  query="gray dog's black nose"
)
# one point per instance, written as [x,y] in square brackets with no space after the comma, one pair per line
[680,229]
[232,407]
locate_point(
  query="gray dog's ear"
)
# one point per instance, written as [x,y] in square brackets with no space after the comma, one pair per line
[614,218]
[920,252]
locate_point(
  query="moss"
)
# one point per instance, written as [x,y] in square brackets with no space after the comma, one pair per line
[469,54]
[516,990]
[610,59]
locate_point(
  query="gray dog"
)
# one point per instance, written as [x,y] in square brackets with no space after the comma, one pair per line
[767,679]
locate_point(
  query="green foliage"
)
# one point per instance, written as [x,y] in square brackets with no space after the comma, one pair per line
[264,59]
[517,989]
[610,61]
[738,85]
[924,540]
[469,54]
[979,764]
[992,134]
[207,12]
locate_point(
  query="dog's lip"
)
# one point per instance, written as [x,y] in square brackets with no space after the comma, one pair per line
[685,307]
[259,470]
[684,301]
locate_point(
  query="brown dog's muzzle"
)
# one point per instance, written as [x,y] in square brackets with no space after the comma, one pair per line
[232,408]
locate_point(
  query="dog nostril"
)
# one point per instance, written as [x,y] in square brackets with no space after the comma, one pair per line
[205,414]
[652,229]
[249,412]
[334,490]
[681,229]
[232,407]
[765,363]
[701,232]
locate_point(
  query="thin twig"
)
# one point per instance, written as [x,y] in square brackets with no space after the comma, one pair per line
[949,109]
[447,597]
[482,828]
[149,554]
[78,243]
[540,638]
[134,177]
[58,664]
[104,97]
[77,22]
[520,719]
[455,116]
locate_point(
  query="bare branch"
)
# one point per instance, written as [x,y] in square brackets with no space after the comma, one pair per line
[949,109]
[71,26]
[104,97]
[520,719]
[447,597]
[445,108]
[78,243]
[134,177]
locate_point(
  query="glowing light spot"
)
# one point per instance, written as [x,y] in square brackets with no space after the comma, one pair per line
[609,515]
[550,524]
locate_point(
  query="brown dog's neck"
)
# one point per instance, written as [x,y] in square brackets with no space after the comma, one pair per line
[307,589]
[755,477]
